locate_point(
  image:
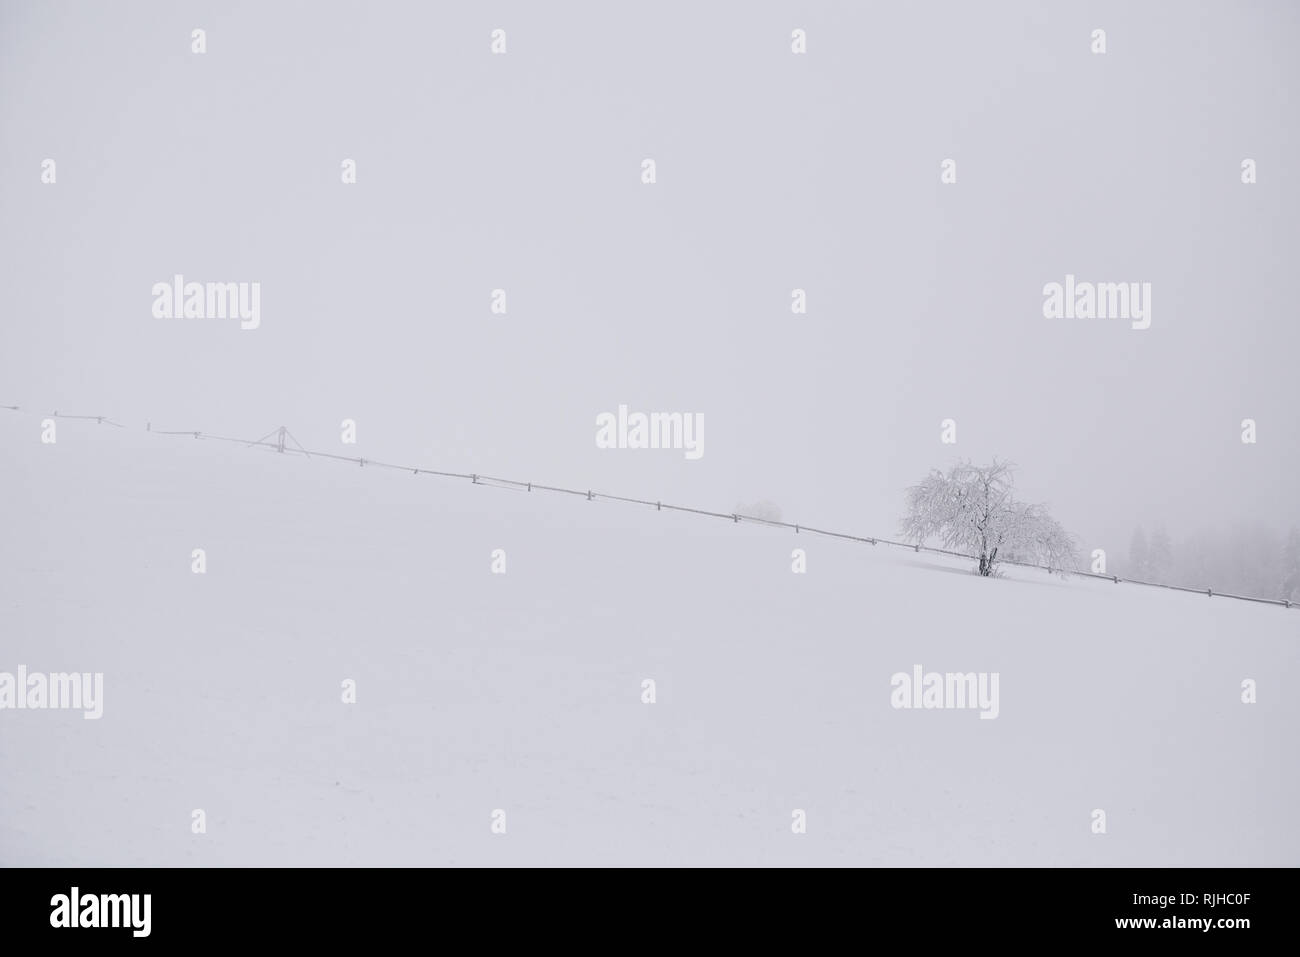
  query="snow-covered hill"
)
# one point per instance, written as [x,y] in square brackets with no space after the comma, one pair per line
[523,691]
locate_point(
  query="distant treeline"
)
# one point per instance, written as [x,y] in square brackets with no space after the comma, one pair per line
[1251,559]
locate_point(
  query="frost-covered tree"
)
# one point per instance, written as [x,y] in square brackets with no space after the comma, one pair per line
[1240,559]
[971,509]
[1291,566]
[765,510]
[1139,554]
[1160,558]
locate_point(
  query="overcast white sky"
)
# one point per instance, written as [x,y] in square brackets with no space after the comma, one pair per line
[775,171]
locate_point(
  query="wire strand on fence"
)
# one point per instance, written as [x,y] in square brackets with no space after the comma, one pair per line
[491,481]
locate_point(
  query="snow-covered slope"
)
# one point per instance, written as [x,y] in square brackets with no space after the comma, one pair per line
[522,692]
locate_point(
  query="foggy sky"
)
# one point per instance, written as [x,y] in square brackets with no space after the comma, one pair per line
[775,171]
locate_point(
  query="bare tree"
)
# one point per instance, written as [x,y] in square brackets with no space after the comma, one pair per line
[971,508]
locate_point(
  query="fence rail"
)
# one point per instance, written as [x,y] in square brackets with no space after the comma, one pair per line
[492,481]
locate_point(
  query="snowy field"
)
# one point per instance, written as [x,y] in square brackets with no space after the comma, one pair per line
[522,691]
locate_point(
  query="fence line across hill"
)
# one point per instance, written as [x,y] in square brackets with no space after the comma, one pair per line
[283,435]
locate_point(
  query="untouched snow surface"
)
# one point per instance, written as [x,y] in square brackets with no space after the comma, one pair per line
[522,691]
